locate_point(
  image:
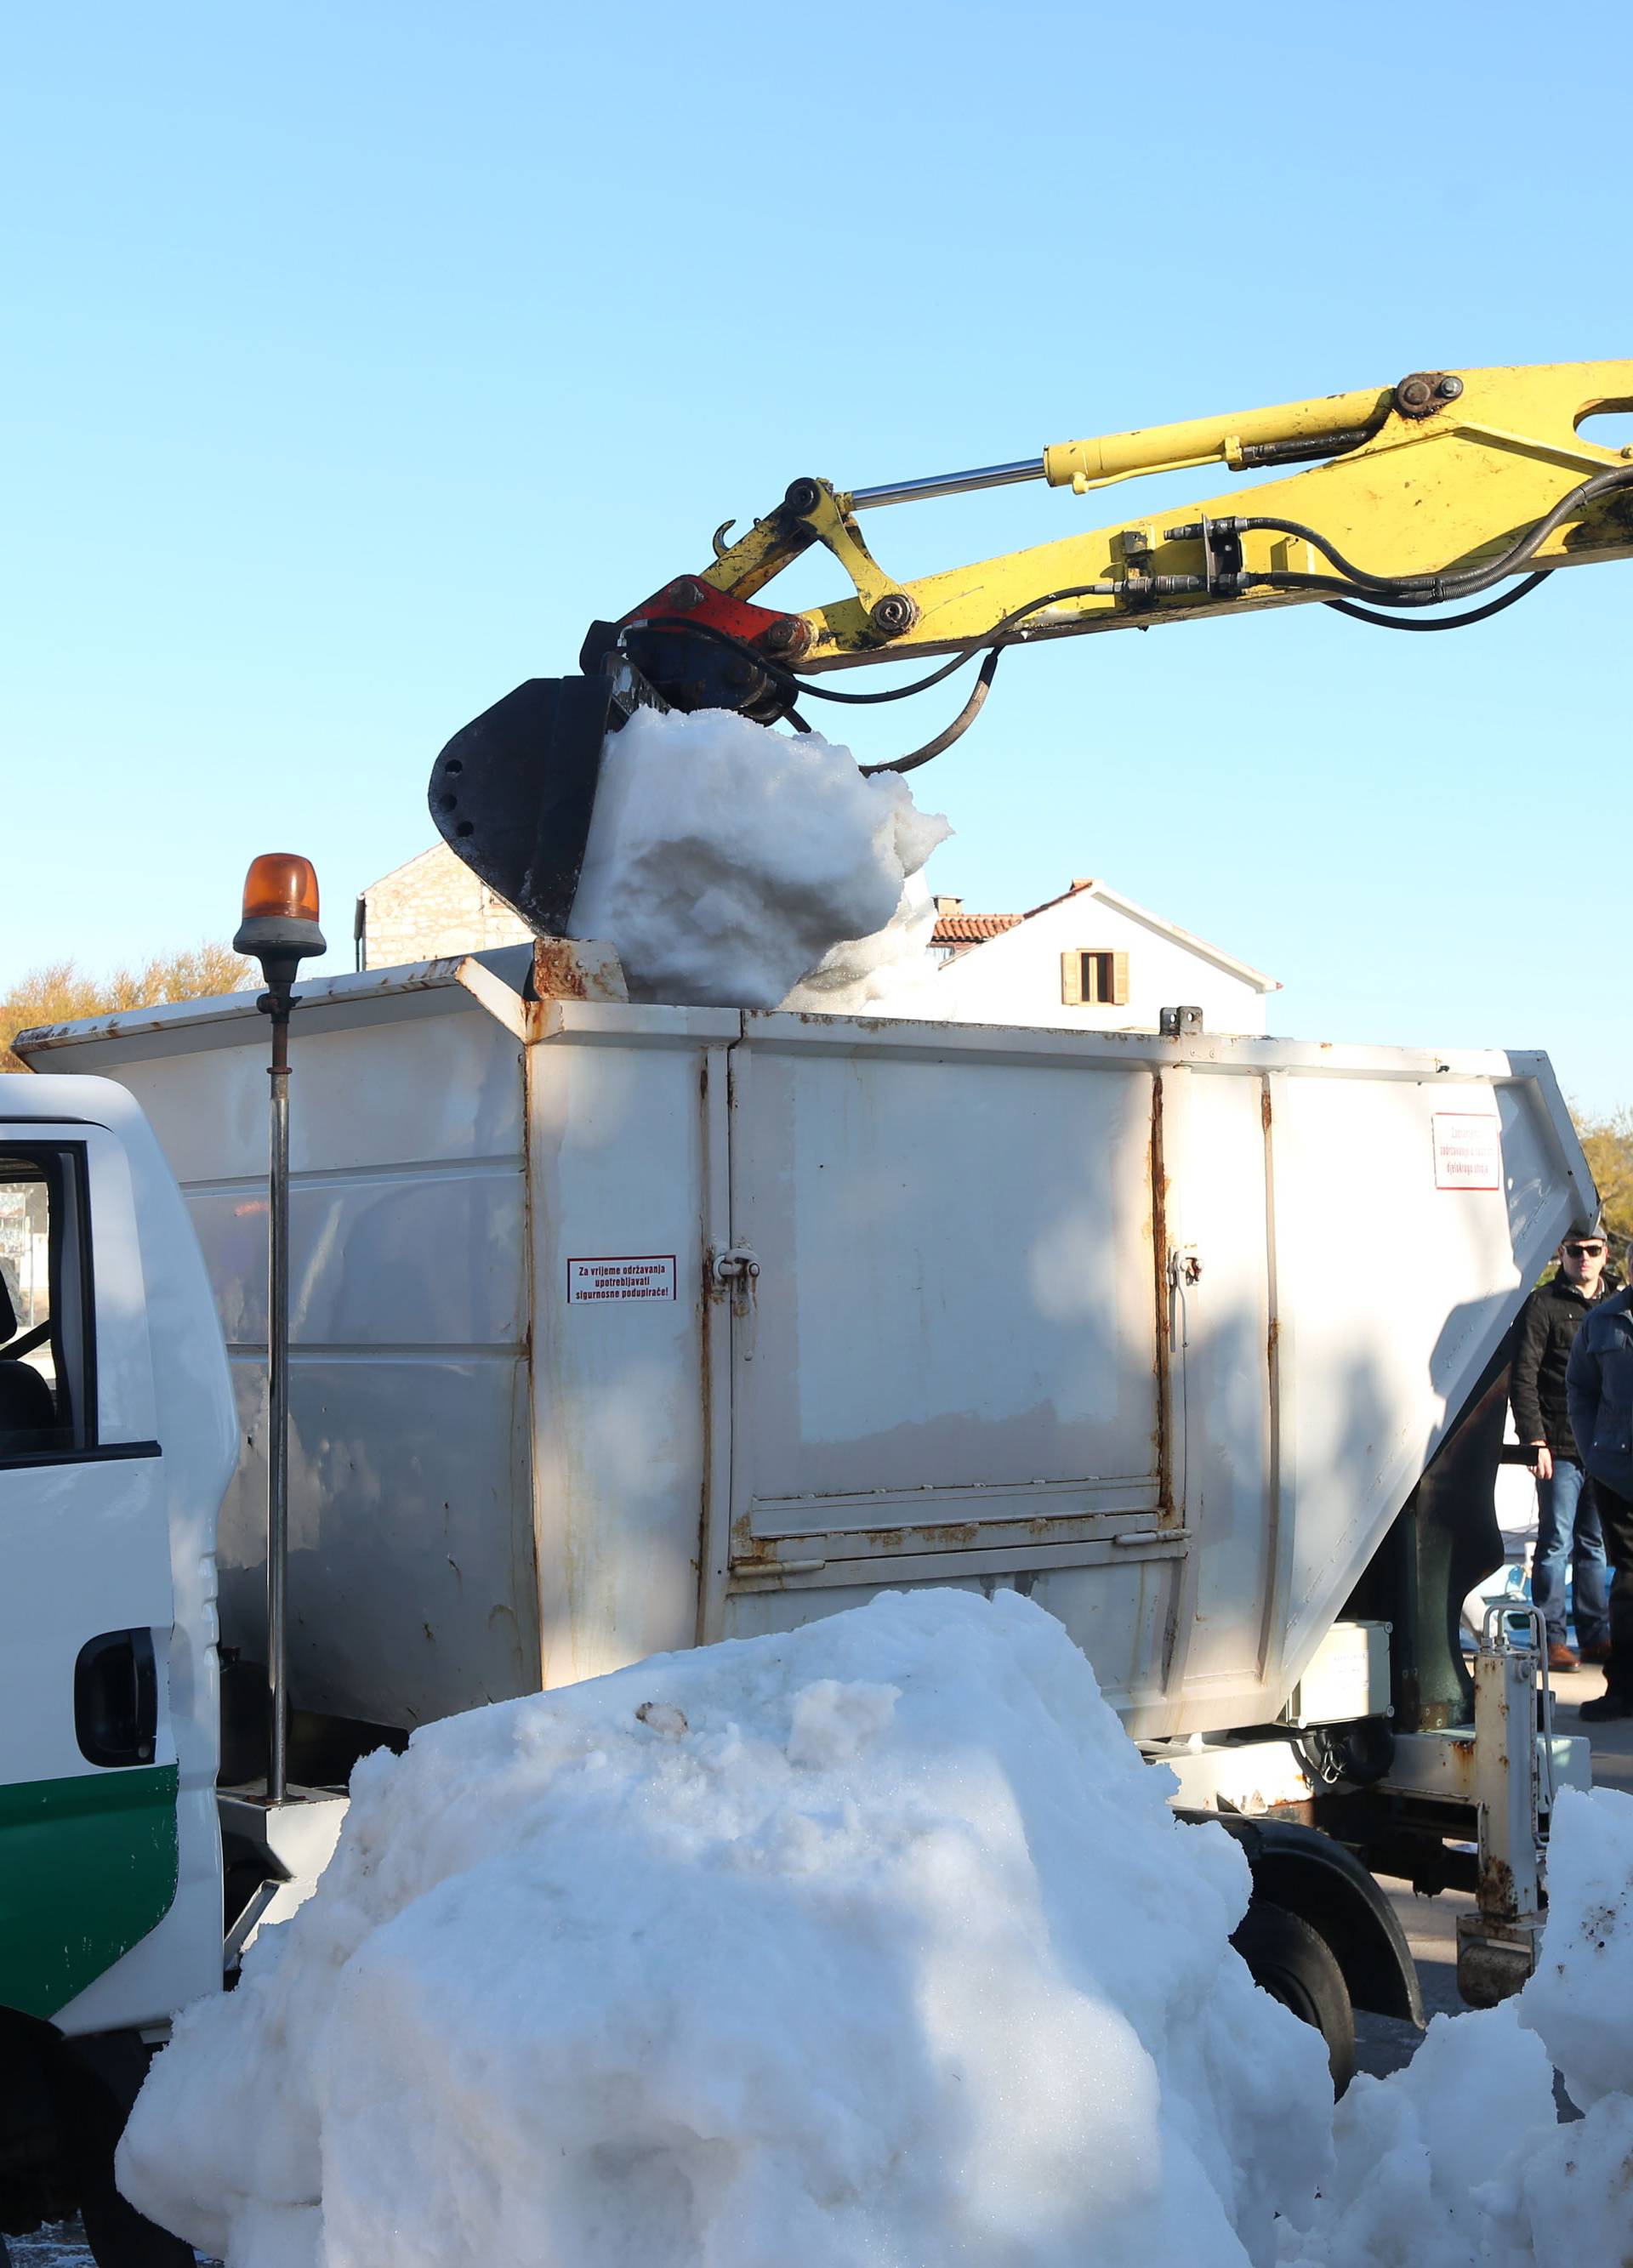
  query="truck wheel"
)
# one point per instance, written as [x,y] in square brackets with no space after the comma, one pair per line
[116,2235]
[1297,1966]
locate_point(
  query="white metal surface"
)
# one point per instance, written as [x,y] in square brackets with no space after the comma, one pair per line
[1346,1677]
[296,1840]
[411,1561]
[965,1357]
[1252,1777]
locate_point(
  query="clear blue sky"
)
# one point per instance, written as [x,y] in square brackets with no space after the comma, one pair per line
[360,354]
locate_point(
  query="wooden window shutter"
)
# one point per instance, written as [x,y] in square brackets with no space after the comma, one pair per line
[1072,980]
[1120,980]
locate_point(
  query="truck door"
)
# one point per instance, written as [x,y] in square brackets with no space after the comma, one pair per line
[947,1366]
[88,1776]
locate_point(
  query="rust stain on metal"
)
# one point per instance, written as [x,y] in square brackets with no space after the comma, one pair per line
[556,972]
[1495,1893]
[530,1636]
[705,1366]
[749,1549]
[1159,1257]
[1264,1105]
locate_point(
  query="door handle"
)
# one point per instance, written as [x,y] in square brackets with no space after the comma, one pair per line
[117,1698]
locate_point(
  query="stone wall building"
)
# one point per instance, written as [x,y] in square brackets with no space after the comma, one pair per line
[430,906]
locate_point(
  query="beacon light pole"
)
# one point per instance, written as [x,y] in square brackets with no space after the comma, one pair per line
[279,929]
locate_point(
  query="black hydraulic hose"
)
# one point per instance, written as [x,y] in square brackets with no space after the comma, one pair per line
[781,675]
[956,731]
[1447,623]
[1432,590]
[786,678]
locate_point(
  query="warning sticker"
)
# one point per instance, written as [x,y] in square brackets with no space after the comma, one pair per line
[1469,1151]
[639,1276]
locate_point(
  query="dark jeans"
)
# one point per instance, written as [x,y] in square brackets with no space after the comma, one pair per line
[1615,1513]
[1568,1534]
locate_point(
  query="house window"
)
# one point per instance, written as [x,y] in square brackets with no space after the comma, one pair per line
[1094,979]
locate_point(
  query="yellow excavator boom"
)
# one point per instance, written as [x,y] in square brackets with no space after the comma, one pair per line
[1406,499]
[1438,474]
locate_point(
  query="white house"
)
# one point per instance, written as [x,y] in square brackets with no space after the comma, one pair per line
[1089,957]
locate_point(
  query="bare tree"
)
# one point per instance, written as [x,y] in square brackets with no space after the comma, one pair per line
[60,992]
[1607,1144]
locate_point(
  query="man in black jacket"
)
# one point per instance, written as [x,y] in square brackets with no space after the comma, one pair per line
[1567,1528]
[1600,1387]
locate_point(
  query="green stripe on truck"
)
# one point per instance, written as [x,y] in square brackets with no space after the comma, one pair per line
[87,1866]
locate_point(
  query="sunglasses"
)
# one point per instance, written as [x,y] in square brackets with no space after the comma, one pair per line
[1584,1251]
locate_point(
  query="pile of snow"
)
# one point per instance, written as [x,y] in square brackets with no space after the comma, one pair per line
[1459,2162]
[874,1941]
[725,862]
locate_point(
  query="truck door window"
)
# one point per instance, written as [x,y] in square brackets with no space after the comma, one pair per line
[45,1398]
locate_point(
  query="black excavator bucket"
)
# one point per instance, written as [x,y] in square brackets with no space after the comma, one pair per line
[513,793]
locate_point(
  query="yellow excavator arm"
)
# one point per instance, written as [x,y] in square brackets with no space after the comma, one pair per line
[1407,500]
[1437,476]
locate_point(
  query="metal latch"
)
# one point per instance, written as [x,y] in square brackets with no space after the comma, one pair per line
[1185,1273]
[736,1270]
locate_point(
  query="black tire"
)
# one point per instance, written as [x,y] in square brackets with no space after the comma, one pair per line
[117,2234]
[1297,1966]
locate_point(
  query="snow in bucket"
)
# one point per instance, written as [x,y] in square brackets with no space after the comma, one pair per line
[727,863]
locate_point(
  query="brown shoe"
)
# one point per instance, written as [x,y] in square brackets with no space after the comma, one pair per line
[1560,1657]
[1599,1651]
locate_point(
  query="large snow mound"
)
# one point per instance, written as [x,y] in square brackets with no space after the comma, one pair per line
[873,1943]
[725,862]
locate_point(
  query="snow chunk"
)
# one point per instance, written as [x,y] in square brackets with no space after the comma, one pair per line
[1411,2147]
[874,1940]
[726,861]
[1580,1998]
[890,972]
[1457,2160]
[833,1723]
[1565,2197]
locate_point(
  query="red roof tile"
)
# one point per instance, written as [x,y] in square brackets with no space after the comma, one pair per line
[972,929]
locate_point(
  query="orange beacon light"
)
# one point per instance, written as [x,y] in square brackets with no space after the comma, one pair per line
[280,915]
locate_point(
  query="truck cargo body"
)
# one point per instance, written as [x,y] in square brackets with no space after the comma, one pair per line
[618,1328]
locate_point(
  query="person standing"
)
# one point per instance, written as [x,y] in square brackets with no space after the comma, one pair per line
[1599,1388]
[1568,1526]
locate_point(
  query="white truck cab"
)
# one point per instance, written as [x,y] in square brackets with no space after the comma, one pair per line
[117,1440]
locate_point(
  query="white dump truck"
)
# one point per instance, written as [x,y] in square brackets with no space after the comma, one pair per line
[621,1328]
